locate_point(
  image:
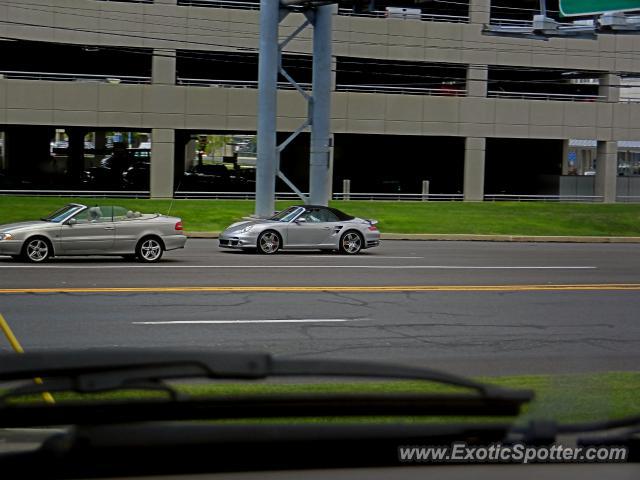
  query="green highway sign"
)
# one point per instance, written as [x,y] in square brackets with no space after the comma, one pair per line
[569,8]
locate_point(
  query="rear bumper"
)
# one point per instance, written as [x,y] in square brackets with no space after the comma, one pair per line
[10,247]
[173,242]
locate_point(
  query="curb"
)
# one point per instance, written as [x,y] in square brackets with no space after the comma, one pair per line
[477,238]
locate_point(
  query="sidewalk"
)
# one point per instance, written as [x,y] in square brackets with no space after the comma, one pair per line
[477,238]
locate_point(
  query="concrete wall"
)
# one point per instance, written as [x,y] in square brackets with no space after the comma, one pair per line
[219,29]
[205,108]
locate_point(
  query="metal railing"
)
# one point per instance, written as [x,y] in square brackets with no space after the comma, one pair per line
[410,197]
[78,193]
[542,198]
[128,1]
[220,4]
[74,77]
[425,17]
[559,97]
[440,92]
[203,82]
[211,82]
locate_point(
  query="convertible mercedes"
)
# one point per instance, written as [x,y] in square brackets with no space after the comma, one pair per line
[77,229]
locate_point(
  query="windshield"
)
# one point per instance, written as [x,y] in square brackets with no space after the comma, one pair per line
[61,214]
[286,215]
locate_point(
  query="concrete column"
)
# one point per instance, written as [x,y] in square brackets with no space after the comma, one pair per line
[607,171]
[163,67]
[162,164]
[474,160]
[190,153]
[100,140]
[477,80]
[609,88]
[334,69]
[479,11]
[75,152]
[565,157]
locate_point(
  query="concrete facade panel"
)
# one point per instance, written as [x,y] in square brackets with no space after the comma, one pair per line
[404,107]
[207,101]
[581,114]
[546,113]
[441,109]
[75,96]
[163,99]
[512,112]
[362,106]
[120,98]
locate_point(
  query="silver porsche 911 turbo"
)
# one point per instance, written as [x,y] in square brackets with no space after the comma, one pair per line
[303,227]
[77,229]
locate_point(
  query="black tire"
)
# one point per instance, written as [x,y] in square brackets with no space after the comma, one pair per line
[149,250]
[269,242]
[36,250]
[351,243]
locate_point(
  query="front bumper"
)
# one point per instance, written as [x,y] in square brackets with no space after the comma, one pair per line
[229,240]
[10,247]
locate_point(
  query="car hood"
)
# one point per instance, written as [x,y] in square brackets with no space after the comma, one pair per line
[12,227]
[246,223]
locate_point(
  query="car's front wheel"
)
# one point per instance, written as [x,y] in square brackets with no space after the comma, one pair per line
[149,250]
[37,250]
[269,242]
[351,243]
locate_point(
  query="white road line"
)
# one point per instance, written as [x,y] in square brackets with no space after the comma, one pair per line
[220,322]
[249,267]
[352,257]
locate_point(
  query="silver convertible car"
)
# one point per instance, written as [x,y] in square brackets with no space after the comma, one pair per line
[81,230]
[303,227]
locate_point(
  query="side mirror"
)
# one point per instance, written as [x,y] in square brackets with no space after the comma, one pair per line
[72,221]
[301,220]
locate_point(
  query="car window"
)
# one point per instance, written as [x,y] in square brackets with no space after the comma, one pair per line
[62,213]
[95,215]
[120,213]
[326,215]
[286,215]
[311,216]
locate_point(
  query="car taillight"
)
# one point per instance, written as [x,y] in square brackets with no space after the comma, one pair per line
[179,226]
[373,228]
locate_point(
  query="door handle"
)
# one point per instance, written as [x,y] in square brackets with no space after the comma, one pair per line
[109,228]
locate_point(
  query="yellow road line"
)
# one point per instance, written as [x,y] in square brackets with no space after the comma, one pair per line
[15,344]
[320,288]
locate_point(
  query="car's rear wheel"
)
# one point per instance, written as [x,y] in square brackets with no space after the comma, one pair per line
[269,242]
[351,243]
[37,250]
[149,250]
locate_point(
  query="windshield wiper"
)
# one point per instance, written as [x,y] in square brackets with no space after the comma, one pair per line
[104,371]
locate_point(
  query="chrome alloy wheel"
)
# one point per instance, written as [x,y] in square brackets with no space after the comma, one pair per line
[150,250]
[269,242]
[37,250]
[351,243]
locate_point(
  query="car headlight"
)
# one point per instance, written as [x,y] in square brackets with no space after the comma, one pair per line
[246,229]
[6,236]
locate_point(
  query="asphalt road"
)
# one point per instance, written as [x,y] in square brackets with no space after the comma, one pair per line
[468,307]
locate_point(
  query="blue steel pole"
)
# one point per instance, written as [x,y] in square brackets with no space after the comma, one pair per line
[319,177]
[266,163]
